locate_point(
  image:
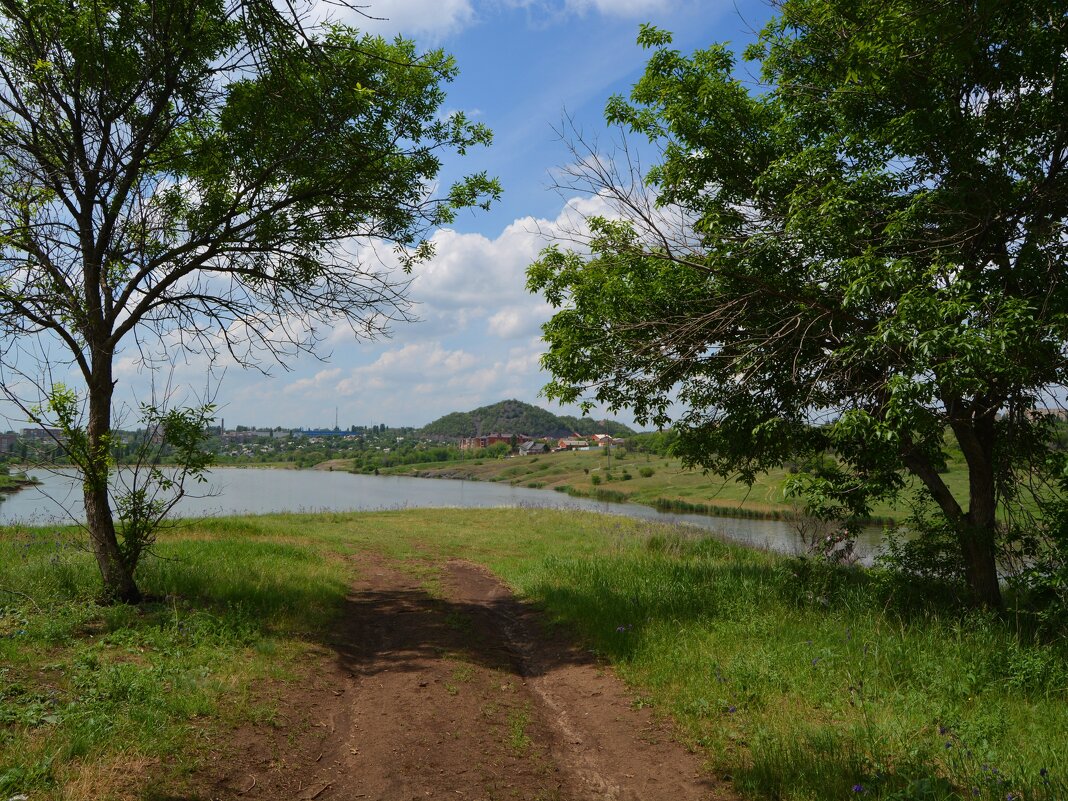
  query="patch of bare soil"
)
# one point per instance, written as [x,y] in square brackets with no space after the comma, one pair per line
[461,697]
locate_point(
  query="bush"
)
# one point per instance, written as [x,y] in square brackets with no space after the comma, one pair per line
[595,479]
[646,472]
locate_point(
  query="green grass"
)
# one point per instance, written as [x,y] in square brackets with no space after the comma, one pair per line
[655,481]
[85,688]
[801,686]
[801,683]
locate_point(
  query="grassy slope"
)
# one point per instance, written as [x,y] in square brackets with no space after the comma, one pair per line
[798,686]
[669,481]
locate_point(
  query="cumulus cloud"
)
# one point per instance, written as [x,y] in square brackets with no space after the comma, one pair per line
[513,322]
[479,342]
[432,19]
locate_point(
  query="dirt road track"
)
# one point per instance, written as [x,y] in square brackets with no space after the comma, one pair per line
[461,697]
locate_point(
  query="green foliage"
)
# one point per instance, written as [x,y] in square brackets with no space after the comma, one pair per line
[143,495]
[516,417]
[875,240]
[191,176]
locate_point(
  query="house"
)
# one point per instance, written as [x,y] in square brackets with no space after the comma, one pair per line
[571,444]
[533,447]
[477,443]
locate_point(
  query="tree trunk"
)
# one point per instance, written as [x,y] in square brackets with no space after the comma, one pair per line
[978,530]
[978,539]
[119,584]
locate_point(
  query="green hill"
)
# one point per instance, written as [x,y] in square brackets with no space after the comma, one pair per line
[516,417]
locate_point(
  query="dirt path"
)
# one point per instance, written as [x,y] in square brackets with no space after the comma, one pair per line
[455,698]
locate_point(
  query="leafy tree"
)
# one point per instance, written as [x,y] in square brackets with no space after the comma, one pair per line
[863,252]
[204,177]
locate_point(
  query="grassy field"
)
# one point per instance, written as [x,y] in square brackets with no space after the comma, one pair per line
[799,683]
[643,478]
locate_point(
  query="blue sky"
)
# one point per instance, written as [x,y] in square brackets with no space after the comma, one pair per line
[523,64]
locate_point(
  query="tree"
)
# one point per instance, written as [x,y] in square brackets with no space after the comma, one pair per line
[861,253]
[204,177]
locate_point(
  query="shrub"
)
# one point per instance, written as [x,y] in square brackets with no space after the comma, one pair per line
[646,472]
[595,479]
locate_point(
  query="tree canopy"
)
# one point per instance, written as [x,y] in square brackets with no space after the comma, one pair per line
[856,254]
[209,177]
[516,417]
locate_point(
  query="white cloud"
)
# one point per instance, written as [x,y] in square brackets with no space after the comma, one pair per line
[619,8]
[423,18]
[513,322]
[317,381]
[556,9]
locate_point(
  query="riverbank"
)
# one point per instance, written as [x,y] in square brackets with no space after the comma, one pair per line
[13,482]
[789,682]
[655,481]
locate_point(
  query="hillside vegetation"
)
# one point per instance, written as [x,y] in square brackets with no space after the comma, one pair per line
[516,417]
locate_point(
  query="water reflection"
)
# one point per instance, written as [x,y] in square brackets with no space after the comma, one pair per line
[249,491]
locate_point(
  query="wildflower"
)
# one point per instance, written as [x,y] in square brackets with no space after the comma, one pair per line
[1044,774]
[942,730]
[814,661]
[732,709]
[858,788]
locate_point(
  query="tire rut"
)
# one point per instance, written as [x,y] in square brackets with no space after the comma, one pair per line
[455,697]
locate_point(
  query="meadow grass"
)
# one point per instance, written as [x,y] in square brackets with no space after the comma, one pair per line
[657,481]
[798,681]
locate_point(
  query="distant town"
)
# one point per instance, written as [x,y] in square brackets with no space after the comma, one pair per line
[506,428]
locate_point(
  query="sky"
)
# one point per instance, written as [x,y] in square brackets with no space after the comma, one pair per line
[524,65]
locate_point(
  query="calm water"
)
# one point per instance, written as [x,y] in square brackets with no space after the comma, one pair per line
[240,491]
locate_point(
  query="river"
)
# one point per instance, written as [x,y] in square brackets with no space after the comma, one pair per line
[233,491]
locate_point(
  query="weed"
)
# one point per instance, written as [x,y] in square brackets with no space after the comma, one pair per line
[463,674]
[518,720]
